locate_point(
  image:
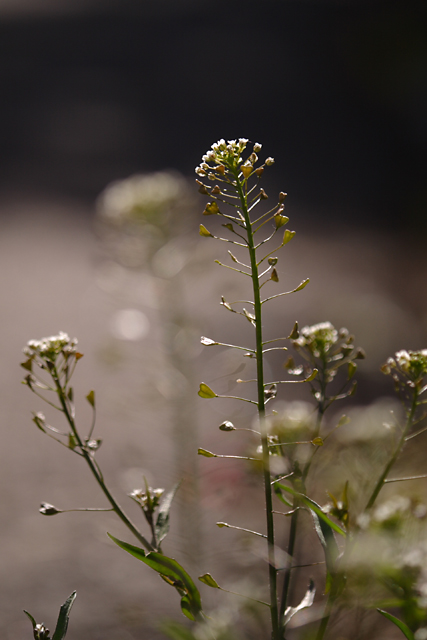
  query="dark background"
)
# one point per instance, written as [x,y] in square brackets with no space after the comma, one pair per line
[335,90]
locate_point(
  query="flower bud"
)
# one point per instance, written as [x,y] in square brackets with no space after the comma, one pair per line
[269,161]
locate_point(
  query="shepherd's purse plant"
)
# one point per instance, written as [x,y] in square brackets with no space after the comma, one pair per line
[289,441]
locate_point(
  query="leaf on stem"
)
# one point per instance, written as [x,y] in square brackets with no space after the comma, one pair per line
[206,392]
[401,625]
[162,523]
[173,573]
[308,502]
[64,614]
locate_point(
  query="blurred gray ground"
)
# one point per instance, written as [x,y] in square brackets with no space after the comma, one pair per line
[52,277]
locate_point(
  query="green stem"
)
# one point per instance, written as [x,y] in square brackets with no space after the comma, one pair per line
[381,481]
[383,476]
[93,467]
[261,411]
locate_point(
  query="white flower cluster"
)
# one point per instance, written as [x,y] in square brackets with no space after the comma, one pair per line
[140,496]
[227,155]
[411,363]
[319,338]
[51,347]
[142,196]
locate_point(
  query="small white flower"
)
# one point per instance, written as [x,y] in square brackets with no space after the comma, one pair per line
[269,161]
[257,147]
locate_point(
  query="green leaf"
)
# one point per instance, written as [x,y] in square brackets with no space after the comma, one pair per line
[308,502]
[287,236]
[402,626]
[170,569]
[91,398]
[206,392]
[206,578]
[33,622]
[278,493]
[206,453]
[162,523]
[64,614]
[204,232]
[330,548]
[70,394]
[318,441]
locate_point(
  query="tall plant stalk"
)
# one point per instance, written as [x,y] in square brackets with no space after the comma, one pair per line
[234,175]
[242,191]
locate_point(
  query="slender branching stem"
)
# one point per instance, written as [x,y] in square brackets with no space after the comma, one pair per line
[382,479]
[94,467]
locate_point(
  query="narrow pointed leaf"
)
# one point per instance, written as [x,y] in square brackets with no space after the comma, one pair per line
[162,523]
[308,502]
[64,614]
[401,625]
[91,398]
[33,622]
[191,604]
